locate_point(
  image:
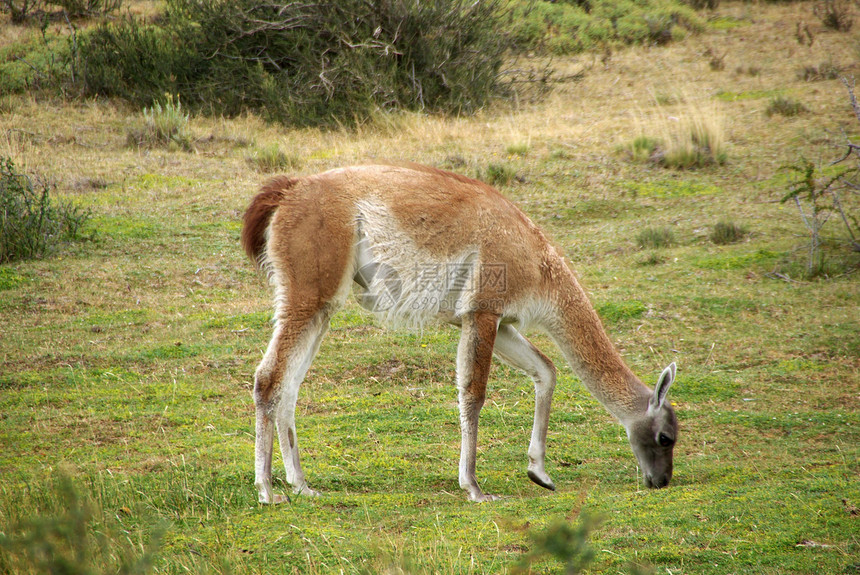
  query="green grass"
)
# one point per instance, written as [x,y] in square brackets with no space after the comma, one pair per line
[127,362]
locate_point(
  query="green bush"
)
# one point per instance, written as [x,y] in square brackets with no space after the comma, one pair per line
[570,26]
[31,223]
[20,10]
[88,7]
[303,63]
[835,14]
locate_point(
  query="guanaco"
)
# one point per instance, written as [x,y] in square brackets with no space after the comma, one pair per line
[421,244]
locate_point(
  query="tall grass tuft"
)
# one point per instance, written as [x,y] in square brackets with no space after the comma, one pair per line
[654,238]
[727,232]
[270,158]
[643,148]
[784,106]
[697,140]
[687,138]
[32,223]
[163,125]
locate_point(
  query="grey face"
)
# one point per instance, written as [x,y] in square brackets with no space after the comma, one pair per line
[653,436]
[652,441]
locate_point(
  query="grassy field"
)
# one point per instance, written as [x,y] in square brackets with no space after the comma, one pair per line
[127,360]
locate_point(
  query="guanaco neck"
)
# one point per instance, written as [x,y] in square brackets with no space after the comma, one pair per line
[585,344]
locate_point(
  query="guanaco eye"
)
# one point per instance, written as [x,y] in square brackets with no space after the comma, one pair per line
[665,440]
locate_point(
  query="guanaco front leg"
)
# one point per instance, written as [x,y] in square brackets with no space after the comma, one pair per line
[474,357]
[512,348]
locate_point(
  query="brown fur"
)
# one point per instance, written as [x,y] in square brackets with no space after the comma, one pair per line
[258,214]
[485,337]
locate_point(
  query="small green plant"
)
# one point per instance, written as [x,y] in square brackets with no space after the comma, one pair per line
[31,222]
[785,106]
[563,542]
[163,125]
[817,199]
[67,539]
[499,174]
[727,232]
[655,238]
[270,158]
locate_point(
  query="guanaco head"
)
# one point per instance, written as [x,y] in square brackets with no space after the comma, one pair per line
[653,435]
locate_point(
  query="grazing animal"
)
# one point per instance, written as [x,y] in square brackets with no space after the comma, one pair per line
[422,244]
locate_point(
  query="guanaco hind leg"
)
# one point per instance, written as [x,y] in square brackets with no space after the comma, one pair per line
[291,350]
[515,350]
[474,357]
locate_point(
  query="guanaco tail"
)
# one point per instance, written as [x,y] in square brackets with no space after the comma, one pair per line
[420,244]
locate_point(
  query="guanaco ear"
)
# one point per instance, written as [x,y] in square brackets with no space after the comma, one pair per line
[662,387]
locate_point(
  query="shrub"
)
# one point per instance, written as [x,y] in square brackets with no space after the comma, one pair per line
[835,14]
[31,223]
[702,4]
[566,27]
[727,232]
[303,63]
[20,10]
[655,238]
[88,7]
[816,195]
[785,106]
